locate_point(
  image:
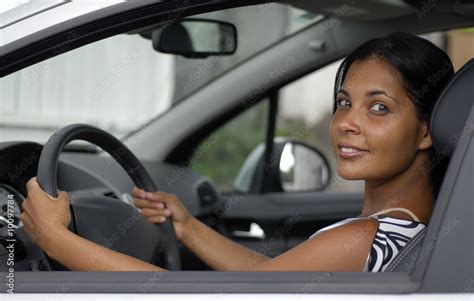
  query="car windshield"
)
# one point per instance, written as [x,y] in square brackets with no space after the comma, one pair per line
[121,83]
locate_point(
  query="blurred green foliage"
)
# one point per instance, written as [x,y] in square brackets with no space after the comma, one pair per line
[222,158]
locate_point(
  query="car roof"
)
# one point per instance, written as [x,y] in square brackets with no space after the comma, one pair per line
[72,24]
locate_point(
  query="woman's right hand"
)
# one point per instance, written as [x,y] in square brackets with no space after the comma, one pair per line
[157,206]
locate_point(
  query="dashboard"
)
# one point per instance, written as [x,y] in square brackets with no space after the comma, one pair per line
[96,173]
[10,204]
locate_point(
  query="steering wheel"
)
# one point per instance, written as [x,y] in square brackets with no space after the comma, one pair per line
[163,247]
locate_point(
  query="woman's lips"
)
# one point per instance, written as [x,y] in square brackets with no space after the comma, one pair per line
[349,152]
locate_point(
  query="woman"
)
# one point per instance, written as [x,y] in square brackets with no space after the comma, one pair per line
[384,94]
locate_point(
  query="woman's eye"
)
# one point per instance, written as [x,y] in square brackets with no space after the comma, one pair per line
[343,103]
[378,107]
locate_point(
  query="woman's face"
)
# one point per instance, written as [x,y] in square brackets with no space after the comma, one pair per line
[375,131]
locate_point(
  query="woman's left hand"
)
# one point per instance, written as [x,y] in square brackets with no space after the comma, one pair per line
[44,215]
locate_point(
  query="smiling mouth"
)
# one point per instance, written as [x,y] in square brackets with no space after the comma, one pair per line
[347,152]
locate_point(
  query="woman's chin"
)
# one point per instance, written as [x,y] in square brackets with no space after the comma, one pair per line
[350,174]
[351,177]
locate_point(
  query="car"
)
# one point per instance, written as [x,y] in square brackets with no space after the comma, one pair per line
[236,128]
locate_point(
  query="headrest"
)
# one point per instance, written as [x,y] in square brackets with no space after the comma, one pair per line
[452,110]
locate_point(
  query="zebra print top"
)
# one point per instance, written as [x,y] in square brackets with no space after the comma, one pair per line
[392,235]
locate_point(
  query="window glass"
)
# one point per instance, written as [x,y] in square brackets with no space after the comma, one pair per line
[223,153]
[121,83]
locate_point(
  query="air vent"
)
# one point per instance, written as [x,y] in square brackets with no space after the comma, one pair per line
[110,194]
[207,194]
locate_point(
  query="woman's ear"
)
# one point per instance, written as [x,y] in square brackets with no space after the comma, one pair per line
[425,136]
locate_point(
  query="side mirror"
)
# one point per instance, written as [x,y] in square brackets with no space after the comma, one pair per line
[196,38]
[303,168]
[295,166]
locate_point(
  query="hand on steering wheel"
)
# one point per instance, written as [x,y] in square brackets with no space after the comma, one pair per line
[158,206]
[42,214]
[40,211]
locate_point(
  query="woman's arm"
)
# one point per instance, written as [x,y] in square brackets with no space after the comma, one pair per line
[46,220]
[342,248]
[79,254]
[215,250]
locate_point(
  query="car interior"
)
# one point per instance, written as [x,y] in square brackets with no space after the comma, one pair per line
[262,214]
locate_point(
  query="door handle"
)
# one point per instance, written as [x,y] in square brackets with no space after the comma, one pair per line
[255,231]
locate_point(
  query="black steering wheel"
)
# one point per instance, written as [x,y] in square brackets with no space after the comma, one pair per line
[164,247]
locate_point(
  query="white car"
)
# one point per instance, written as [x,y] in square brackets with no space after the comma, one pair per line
[197,92]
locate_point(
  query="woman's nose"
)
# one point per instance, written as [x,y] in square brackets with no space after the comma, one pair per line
[349,122]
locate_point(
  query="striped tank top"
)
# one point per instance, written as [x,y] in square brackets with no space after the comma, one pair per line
[391,236]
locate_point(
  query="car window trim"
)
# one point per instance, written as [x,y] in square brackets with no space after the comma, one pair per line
[211,281]
[266,184]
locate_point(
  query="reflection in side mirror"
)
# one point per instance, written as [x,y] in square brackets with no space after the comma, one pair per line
[294,167]
[248,178]
[302,168]
[196,38]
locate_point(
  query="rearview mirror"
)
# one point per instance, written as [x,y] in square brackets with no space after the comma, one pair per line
[196,38]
